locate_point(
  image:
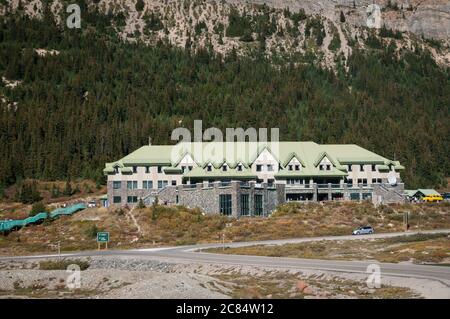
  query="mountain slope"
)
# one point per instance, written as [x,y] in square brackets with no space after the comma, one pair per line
[74,99]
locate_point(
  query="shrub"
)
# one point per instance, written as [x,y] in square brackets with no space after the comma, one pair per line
[29,194]
[139,5]
[91,231]
[37,208]
[63,264]
[238,24]
[247,37]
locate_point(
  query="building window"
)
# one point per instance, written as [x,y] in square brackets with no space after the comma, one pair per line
[290,167]
[258,168]
[361,168]
[190,168]
[328,167]
[374,168]
[174,183]
[297,167]
[135,169]
[270,168]
[321,167]
[132,185]
[376,180]
[270,182]
[132,199]
[239,168]
[147,169]
[147,184]
[117,199]
[160,169]
[225,167]
[117,185]
[349,168]
[209,168]
[245,205]
[116,169]
[350,182]
[225,204]
[162,184]
[177,200]
[183,168]
[258,205]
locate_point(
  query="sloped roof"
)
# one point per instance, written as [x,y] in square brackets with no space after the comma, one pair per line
[428,192]
[232,153]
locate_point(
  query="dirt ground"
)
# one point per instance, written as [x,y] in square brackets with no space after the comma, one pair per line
[420,248]
[119,277]
[163,225]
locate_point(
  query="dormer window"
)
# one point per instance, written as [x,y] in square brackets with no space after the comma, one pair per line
[135,169]
[209,168]
[190,168]
[225,167]
[297,167]
[239,168]
[116,169]
[328,167]
[290,167]
[349,168]
[183,168]
[361,168]
[321,167]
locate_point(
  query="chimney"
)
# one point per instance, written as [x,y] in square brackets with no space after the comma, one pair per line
[149,140]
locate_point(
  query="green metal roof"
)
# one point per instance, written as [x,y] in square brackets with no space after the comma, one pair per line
[172,170]
[382,168]
[424,191]
[428,192]
[217,153]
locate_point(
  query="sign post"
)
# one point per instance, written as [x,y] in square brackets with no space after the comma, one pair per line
[102,237]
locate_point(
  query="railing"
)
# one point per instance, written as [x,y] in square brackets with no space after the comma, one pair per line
[8,225]
[299,185]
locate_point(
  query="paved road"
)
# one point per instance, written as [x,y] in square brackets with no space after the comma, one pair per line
[191,254]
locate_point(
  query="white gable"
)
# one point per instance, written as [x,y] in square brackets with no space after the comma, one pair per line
[265,157]
[187,160]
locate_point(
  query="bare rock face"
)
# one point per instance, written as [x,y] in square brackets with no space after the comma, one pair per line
[430,18]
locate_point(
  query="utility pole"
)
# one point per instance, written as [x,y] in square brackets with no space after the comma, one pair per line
[59,250]
[223,241]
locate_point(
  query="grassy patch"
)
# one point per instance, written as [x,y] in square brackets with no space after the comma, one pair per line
[63,264]
[419,248]
[274,285]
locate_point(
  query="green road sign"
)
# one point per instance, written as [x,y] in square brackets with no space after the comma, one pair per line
[103,237]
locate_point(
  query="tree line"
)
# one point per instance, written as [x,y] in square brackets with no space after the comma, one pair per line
[101,98]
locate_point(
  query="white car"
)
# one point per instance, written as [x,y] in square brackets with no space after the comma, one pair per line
[91,204]
[363,230]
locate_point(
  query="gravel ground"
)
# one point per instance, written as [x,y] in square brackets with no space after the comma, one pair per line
[121,277]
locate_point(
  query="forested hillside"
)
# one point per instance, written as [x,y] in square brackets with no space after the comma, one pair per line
[97,97]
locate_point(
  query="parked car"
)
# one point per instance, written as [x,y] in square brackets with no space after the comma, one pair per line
[91,204]
[363,230]
[446,197]
[432,198]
